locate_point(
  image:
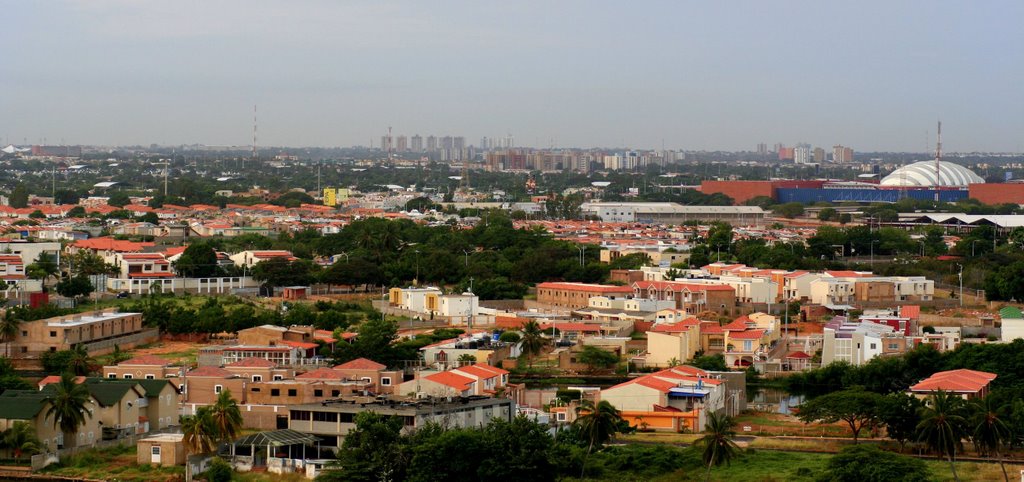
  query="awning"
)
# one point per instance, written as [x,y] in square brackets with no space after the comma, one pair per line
[688,392]
[840,307]
[277,438]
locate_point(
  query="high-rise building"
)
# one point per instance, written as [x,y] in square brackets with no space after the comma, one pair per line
[431,143]
[819,154]
[402,144]
[785,153]
[417,143]
[842,155]
[802,154]
[762,149]
[386,143]
[485,143]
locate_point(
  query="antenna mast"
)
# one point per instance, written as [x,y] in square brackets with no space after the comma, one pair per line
[254,158]
[938,160]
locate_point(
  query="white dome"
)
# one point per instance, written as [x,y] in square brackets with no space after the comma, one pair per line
[922,174]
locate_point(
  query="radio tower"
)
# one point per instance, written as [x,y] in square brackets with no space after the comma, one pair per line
[938,160]
[391,149]
[254,155]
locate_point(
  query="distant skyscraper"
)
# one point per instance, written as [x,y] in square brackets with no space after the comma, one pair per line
[402,144]
[484,143]
[819,154]
[417,143]
[842,155]
[762,149]
[431,143]
[386,143]
[785,153]
[447,142]
[802,154]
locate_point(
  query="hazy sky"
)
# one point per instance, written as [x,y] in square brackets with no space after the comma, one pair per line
[874,75]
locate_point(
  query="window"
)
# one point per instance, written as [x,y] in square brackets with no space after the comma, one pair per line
[366,379]
[218,388]
[24,332]
[292,392]
[318,393]
[873,346]
[274,392]
[325,417]
[300,415]
[256,390]
[53,334]
[385,381]
[335,393]
[127,376]
[111,375]
[257,378]
[278,377]
[893,346]
[150,377]
[24,349]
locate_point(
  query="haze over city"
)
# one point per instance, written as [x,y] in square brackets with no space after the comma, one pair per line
[689,75]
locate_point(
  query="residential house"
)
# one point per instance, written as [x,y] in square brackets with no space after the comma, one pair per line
[690,297]
[967,384]
[31,406]
[577,295]
[676,398]
[380,379]
[204,384]
[142,266]
[249,259]
[672,343]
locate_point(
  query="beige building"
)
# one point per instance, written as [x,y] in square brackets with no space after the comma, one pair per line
[98,331]
[204,384]
[380,379]
[165,450]
[676,343]
[30,406]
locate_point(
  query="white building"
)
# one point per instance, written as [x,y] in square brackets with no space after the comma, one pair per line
[856,343]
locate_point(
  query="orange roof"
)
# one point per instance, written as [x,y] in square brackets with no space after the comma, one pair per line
[110,244]
[56,379]
[746,335]
[450,379]
[910,311]
[300,344]
[361,364]
[960,381]
[798,354]
[845,274]
[679,286]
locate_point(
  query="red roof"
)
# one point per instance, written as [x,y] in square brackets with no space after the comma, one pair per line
[746,335]
[798,354]
[110,244]
[56,379]
[845,274]
[450,379]
[680,286]
[960,381]
[910,311]
[300,344]
[361,364]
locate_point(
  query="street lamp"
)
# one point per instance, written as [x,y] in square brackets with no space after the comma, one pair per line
[873,241]
[961,276]
[583,251]
[467,256]
[972,246]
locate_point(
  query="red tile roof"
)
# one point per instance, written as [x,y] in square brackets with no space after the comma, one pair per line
[214,372]
[960,381]
[456,381]
[595,288]
[360,364]
[322,373]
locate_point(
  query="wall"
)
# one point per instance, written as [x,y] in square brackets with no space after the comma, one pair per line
[1012,193]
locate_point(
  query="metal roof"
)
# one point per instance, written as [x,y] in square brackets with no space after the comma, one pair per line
[277,438]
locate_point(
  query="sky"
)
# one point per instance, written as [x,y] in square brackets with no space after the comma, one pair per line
[693,75]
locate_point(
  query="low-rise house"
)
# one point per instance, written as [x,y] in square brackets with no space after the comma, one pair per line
[690,297]
[31,406]
[249,259]
[142,266]
[164,450]
[331,421]
[145,367]
[380,379]
[676,398]
[672,343]
[967,384]
[204,384]
[577,295]
[97,331]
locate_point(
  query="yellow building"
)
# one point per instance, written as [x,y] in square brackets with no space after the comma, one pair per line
[336,196]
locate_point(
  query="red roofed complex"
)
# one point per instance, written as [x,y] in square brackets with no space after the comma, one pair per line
[968,384]
[671,399]
[577,295]
[690,297]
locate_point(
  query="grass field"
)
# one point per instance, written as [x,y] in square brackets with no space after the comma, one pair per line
[114,463]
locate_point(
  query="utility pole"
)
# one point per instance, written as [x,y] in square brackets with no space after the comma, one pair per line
[961,276]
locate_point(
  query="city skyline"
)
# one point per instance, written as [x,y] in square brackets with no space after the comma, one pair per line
[696,77]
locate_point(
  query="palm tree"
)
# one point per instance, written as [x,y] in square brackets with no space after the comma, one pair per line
[532,341]
[200,431]
[943,426]
[598,425]
[226,416]
[717,443]
[991,432]
[81,363]
[69,405]
[22,439]
[10,326]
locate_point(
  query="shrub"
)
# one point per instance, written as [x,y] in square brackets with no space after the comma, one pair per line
[219,471]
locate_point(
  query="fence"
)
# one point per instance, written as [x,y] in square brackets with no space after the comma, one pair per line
[142,337]
[42,460]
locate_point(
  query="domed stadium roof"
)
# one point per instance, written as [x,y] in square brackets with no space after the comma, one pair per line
[922,174]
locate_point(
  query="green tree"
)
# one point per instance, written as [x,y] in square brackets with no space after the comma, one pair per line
[868,463]
[597,425]
[87,263]
[282,272]
[21,439]
[372,451]
[118,355]
[76,212]
[856,407]
[467,358]
[19,197]
[43,267]
[631,261]
[66,196]
[199,260]
[69,404]
[991,434]
[80,363]
[789,210]
[76,287]
[10,327]
[533,340]
[219,471]
[226,416]
[719,238]
[200,432]
[717,446]
[119,199]
[828,214]
[900,414]
[715,363]
[37,214]
[943,426]
[595,358]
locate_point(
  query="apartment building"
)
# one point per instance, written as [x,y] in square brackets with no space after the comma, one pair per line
[689,297]
[577,295]
[98,331]
[332,420]
[142,266]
